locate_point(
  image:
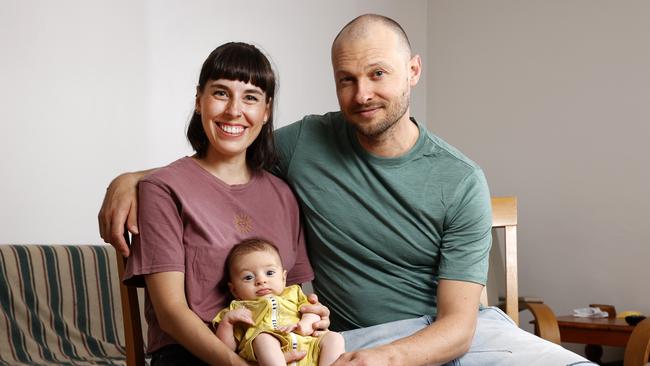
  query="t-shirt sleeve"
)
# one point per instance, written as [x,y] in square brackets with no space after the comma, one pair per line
[467,232]
[159,245]
[301,271]
[286,139]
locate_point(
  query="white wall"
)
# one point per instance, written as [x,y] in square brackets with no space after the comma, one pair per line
[552,99]
[94,88]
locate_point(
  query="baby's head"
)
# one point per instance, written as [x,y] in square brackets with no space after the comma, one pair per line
[254,269]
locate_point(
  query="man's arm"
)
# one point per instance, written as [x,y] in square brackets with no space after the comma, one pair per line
[120,206]
[448,338]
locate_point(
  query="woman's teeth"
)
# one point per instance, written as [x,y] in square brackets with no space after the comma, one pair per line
[235,130]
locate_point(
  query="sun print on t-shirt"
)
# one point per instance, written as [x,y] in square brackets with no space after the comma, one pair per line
[243,223]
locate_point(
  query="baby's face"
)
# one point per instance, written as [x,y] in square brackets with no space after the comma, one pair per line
[257,274]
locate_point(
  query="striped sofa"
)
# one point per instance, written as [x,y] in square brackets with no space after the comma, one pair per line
[60,305]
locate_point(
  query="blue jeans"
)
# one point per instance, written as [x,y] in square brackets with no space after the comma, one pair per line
[497,341]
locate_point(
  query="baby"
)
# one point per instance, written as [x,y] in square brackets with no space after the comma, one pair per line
[264,321]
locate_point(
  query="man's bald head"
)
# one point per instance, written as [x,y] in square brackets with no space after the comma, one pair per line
[362,27]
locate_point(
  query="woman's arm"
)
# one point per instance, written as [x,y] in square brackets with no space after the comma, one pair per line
[167,293]
[226,328]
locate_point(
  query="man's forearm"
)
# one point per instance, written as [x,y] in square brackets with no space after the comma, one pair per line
[120,208]
[132,178]
[450,336]
[437,344]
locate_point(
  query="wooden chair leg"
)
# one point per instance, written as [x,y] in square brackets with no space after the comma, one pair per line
[131,315]
[545,322]
[637,351]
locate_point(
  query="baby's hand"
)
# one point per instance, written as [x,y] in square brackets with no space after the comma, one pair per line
[304,330]
[241,315]
[287,328]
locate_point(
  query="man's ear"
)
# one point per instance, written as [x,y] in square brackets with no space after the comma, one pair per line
[414,70]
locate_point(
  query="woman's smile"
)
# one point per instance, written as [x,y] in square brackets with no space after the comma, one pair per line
[233,130]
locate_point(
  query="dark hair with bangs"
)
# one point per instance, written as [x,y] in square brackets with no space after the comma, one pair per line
[241,62]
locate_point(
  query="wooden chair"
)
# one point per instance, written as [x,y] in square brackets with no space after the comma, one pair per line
[131,316]
[504,216]
[637,350]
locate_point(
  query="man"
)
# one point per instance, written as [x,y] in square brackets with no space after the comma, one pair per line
[397,221]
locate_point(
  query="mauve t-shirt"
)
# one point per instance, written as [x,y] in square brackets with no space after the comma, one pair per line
[189,220]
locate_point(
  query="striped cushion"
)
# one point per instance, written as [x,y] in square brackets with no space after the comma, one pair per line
[60,304]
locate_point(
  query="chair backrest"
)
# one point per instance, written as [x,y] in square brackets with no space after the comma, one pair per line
[504,216]
[131,317]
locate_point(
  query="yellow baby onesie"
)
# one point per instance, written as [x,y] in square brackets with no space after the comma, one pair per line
[268,313]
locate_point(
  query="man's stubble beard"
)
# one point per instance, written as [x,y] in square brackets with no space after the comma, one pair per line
[378,130]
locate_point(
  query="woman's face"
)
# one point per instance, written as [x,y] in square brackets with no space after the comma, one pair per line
[232,114]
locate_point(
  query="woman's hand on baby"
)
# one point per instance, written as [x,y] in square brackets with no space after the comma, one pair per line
[241,315]
[319,327]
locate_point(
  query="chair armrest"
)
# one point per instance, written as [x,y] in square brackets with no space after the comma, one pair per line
[637,350]
[545,321]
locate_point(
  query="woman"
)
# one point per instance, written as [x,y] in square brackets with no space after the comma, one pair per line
[194,210]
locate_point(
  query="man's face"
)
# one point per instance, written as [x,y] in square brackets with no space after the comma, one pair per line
[373,76]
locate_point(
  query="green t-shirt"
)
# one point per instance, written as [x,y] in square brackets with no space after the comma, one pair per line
[381,232]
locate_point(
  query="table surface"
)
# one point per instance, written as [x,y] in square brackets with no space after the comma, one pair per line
[597,331]
[616,324]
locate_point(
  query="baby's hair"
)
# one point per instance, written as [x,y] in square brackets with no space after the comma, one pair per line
[249,246]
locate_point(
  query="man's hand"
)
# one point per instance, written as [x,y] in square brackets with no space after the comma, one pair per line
[380,356]
[120,206]
[304,330]
[320,327]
